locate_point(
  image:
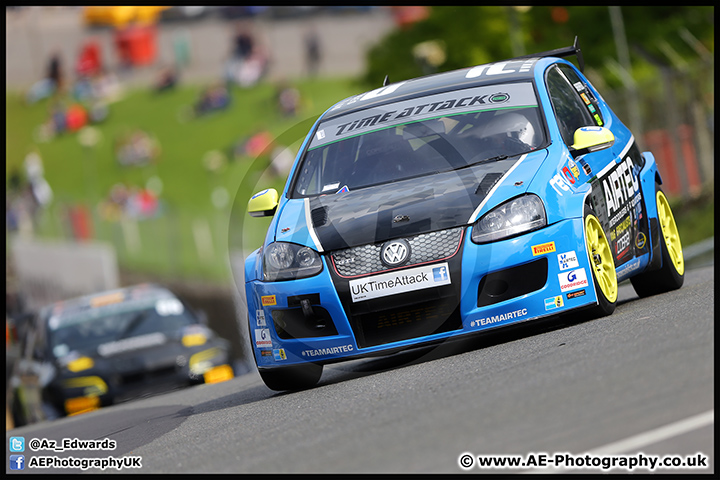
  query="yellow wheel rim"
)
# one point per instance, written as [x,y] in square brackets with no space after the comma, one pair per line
[670,233]
[601,258]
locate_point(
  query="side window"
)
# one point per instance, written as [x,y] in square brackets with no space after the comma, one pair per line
[570,111]
[585,93]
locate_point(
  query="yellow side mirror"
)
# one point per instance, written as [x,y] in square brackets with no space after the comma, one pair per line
[591,139]
[263,204]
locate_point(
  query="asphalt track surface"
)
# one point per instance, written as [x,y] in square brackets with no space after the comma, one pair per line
[640,380]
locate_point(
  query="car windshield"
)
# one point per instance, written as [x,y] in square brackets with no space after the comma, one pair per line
[88,328]
[419,137]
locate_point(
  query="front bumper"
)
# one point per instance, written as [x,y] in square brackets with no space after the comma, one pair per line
[541,273]
[133,378]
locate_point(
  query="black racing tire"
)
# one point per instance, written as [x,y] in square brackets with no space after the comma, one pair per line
[294,377]
[602,266]
[672,273]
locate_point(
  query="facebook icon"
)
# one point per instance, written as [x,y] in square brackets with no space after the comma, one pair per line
[440,274]
[17,462]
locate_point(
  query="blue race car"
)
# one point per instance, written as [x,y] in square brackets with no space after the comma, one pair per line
[447,205]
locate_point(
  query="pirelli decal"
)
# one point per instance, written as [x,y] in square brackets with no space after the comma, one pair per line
[543,248]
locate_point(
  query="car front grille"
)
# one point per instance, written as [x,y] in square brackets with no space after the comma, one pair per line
[407,315]
[426,247]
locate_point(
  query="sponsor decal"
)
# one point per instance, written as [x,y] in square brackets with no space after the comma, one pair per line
[268,300]
[569,176]
[573,280]
[262,338]
[586,167]
[553,302]
[108,299]
[499,318]
[629,267]
[260,194]
[344,189]
[567,260]
[621,227]
[559,184]
[619,186]
[393,283]
[500,68]
[574,168]
[640,240]
[331,186]
[266,353]
[622,245]
[169,306]
[578,293]
[260,318]
[132,343]
[279,354]
[327,351]
[543,248]
[461,101]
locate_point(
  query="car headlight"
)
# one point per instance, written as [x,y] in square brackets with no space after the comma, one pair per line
[288,261]
[519,215]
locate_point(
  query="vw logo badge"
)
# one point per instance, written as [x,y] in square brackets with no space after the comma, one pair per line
[395,252]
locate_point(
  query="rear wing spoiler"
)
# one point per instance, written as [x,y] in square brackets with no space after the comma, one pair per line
[560,52]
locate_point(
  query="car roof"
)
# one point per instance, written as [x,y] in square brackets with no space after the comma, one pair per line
[145,291]
[513,70]
[433,84]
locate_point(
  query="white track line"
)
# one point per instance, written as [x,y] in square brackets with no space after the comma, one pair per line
[629,444]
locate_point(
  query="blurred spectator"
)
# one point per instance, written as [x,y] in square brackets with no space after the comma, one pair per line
[243,42]
[312,51]
[123,202]
[35,174]
[141,204]
[106,86]
[58,120]
[55,71]
[406,15]
[89,62]
[252,146]
[101,86]
[70,118]
[181,49]
[215,97]
[52,83]
[167,80]
[248,61]
[288,100]
[76,117]
[136,148]
[27,196]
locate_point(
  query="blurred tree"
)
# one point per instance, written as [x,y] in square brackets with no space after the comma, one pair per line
[479,34]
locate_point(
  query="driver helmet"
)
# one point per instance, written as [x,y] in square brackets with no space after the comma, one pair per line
[513,125]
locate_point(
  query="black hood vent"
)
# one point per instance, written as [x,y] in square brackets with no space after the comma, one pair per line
[319,216]
[487,183]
